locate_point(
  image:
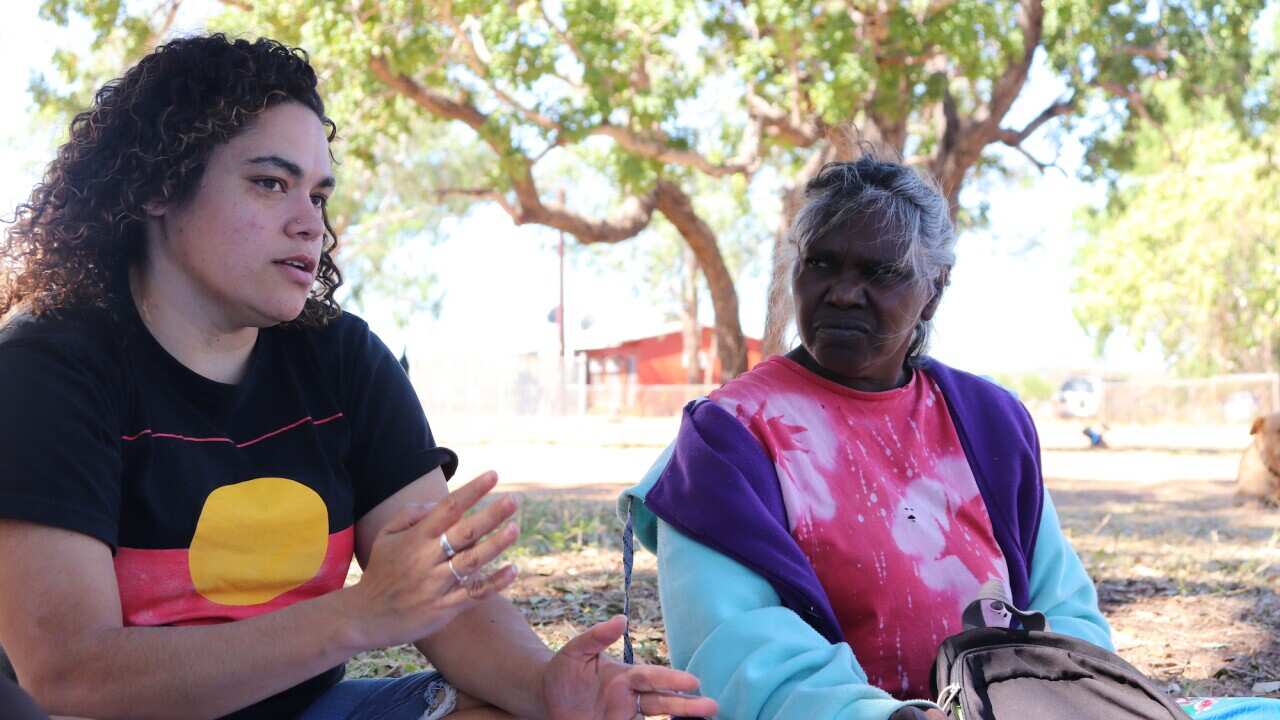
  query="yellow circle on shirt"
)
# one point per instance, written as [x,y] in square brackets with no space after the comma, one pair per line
[257,540]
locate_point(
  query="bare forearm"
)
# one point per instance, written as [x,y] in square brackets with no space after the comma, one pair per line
[491,653]
[197,672]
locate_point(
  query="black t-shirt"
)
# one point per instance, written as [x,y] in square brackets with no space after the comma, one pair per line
[16,704]
[220,502]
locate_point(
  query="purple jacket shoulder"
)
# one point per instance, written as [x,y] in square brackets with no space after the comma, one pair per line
[721,489]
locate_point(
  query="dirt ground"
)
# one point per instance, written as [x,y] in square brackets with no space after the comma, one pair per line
[1188,575]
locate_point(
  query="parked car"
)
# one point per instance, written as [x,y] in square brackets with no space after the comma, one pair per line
[1079,397]
[1240,407]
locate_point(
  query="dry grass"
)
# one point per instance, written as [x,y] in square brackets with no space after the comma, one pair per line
[570,560]
[1188,576]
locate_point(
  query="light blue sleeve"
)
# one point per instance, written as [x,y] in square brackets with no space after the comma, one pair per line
[1060,587]
[756,658]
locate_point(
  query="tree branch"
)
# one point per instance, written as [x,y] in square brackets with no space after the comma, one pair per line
[1009,86]
[779,124]
[1040,165]
[781,307]
[1130,95]
[490,194]
[933,8]
[563,36]
[1014,138]
[873,27]
[436,103]
[963,139]
[952,124]
[632,216]
[926,55]
[471,58]
[656,148]
[1159,52]
[1133,96]
[168,19]
[158,33]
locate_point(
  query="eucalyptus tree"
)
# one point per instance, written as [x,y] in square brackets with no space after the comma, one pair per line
[630,106]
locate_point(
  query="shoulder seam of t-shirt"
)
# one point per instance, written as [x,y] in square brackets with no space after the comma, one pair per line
[91,362]
[100,527]
[347,328]
[50,341]
[80,352]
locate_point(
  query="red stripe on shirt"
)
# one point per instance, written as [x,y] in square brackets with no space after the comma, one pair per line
[246,443]
[156,586]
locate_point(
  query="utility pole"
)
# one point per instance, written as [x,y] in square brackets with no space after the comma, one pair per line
[562,375]
[691,333]
[560,308]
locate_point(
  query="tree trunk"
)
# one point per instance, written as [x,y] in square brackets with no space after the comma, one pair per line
[1273,362]
[691,333]
[950,171]
[676,206]
[781,308]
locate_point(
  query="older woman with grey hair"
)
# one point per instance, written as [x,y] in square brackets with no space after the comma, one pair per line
[822,521]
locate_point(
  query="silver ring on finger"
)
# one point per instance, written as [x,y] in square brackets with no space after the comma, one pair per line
[462,579]
[449,552]
[639,713]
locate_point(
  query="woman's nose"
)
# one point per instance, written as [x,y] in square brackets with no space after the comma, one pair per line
[306,222]
[848,291]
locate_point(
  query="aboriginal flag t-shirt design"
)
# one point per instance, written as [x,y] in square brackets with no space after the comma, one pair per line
[220,502]
[255,545]
[238,503]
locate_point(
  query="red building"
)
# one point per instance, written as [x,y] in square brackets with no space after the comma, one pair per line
[659,360]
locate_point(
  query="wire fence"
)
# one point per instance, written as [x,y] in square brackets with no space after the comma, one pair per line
[534,385]
[1220,400]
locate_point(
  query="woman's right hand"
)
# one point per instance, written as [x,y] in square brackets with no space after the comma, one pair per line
[408,591]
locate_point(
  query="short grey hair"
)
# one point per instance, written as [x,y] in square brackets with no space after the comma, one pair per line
[911,205]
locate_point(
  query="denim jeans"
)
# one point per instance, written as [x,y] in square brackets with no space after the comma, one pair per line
[420,696]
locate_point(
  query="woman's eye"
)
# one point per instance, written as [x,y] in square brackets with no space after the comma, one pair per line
[889,275]
[319,201]
[272,184]
[814,262]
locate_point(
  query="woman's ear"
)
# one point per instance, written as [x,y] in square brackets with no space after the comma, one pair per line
[939,284]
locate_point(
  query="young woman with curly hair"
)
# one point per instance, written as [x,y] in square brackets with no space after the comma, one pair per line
[196,440]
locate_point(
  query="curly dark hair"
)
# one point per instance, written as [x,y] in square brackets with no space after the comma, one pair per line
[147,137]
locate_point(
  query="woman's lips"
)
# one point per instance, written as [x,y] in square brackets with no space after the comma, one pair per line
[844,330]
[296,274]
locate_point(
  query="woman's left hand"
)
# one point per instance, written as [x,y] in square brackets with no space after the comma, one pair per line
[582,683]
